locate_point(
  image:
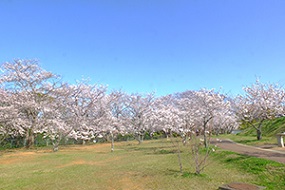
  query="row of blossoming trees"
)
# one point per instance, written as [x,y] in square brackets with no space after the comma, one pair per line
[36,102]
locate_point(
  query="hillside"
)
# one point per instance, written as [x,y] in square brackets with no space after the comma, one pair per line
[270,128]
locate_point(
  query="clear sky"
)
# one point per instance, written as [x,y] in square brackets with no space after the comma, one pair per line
[162,46]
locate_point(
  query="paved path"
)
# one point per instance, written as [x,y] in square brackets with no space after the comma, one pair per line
[275,155]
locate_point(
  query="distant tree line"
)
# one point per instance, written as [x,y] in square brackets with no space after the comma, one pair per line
[36,105]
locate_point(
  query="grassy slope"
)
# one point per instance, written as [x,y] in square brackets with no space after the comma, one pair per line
[269,130]
[152,165]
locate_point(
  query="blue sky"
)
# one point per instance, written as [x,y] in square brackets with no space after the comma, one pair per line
[161,46]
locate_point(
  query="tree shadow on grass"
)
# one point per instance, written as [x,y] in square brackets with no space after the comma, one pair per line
[164,151]
[186,174]
[233,158]
[247,141]
[150,150]
[140,149]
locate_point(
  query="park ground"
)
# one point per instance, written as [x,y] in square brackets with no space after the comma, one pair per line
[151,165]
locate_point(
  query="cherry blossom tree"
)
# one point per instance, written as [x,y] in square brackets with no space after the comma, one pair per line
[209,104]
[139,108]
[85,109]
[8,116]
[260,102]
[115,116]
[75,111]
[225,123]
[26,81]
[198,111]
[58,124]
[164,116]
[187,105]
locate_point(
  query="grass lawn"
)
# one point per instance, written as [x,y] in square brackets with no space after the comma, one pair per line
[269,130]
[251,139]
[151,165]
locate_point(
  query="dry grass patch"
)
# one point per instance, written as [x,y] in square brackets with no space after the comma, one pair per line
[149,166]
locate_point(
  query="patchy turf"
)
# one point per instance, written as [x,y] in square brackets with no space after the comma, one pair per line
[151,165]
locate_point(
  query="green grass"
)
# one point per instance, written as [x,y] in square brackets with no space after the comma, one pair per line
[269,128]
[151,165]
[251,139]
[269,173]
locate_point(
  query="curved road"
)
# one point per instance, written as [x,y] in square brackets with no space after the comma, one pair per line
[278,156]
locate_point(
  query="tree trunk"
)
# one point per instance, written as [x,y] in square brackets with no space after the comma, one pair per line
[205,136]
[259,130]
[55,145]
[259,134]
[186,138]
[139,139]
[47,141]
[30,139]
[142,138]
[112,142]
[167,136]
